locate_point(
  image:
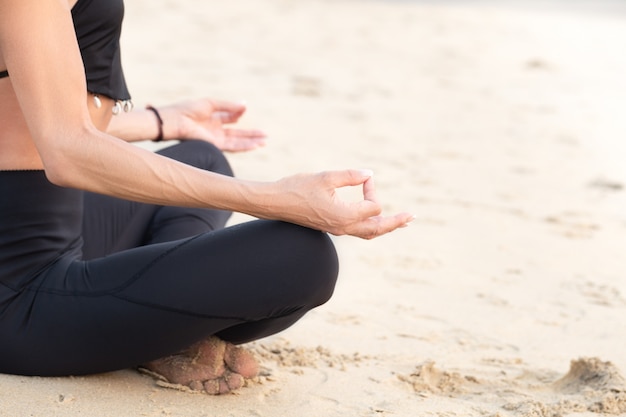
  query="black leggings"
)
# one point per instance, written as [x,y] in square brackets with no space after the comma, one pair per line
[135,300]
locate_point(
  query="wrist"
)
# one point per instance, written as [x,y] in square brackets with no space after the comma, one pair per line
[159,121]
[257,198]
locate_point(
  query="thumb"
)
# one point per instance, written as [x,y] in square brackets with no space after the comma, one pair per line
[228,112]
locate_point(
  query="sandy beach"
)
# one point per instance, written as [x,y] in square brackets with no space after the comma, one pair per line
[502,128]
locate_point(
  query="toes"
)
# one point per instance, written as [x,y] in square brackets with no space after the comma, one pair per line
[234,381]
[224,389]
[212,387]
[224,385]
[196,386]
[241,361]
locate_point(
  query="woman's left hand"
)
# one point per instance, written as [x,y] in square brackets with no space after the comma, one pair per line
[205,119]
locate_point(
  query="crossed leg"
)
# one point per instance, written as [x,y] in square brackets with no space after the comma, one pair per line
[213,365]
[110,225]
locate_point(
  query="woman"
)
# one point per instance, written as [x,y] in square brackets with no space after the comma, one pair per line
[112,256]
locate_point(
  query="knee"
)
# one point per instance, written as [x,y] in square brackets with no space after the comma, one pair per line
[200,154]
[318,266]
[327,256]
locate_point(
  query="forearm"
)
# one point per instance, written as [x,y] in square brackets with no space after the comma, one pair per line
[97,162]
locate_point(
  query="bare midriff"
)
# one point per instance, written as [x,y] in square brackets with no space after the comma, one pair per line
[17,148]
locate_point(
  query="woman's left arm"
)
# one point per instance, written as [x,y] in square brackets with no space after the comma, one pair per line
[202,119]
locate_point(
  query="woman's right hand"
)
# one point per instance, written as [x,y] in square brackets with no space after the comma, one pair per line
[311,200]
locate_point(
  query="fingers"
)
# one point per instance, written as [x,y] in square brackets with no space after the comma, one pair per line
[348,178]
[227,111]
[245,133]
[360,219]
[369,190]
[371,224]
[243,140]
[225,117]
[378,225]
[369,206]
[243,145]
[362,210]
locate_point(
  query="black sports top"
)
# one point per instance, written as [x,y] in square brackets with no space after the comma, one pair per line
[98,25]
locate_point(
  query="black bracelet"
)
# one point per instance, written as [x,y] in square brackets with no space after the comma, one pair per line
[159,138]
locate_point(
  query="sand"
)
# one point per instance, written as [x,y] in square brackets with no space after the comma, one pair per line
[501,128]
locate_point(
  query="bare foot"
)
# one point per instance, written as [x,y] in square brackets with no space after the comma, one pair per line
[212,366]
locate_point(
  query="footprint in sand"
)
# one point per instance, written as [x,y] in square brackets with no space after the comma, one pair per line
[590,385]
[426,378]
[591,374]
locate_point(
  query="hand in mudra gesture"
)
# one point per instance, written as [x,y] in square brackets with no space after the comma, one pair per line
[311,200]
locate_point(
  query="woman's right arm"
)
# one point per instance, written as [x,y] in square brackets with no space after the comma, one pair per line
[40,50]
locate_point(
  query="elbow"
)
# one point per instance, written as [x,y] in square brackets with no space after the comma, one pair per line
[57,173]
[57,179]
[60,168]
[63,159]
